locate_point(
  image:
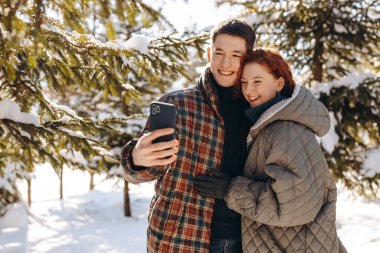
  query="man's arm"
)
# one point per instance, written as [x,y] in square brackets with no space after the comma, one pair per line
[143,161]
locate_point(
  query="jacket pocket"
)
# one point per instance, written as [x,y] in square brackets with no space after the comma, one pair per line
[164,215]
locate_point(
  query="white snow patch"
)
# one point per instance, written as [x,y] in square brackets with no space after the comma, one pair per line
[11,110]
[62,108]
[65,118]
[371,164]
[103,151]
[128,86]
[116,170]
[14,229]
[94,222]
[358,222]
[9,177]
[331,138]
[73,156]
[72,133]
[351,81]
[25,134]
[138,42]
[255,18]
[340,28]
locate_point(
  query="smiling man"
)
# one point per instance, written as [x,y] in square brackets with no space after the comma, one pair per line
[211,131]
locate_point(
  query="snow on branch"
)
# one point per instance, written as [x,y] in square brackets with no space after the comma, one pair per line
[62,108]
[138,42]
[351,81]
[11,110]
[73,156]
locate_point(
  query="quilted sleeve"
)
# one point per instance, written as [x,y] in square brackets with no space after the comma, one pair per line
[294,192]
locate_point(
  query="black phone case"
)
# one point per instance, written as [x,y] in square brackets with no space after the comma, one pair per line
[162,115]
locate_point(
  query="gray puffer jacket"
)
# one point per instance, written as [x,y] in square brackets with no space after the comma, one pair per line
[287,196]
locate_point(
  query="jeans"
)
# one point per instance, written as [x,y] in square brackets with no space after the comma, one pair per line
[226,246]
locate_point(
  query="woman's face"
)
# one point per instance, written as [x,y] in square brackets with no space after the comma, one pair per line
[258,84]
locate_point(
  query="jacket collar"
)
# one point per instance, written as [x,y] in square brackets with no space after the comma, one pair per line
[302,107]
[207,86]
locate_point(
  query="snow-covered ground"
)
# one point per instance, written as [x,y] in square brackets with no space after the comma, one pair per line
[94,222]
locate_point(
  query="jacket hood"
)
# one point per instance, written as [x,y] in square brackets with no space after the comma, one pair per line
[302,107]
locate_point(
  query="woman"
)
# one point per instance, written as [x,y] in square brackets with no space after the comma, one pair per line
[287,195]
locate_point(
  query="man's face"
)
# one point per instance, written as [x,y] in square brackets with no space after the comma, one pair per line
[225,57]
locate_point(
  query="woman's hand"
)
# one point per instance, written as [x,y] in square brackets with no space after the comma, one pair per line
[214,186]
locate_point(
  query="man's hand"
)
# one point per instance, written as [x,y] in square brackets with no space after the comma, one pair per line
[214,186]
[162,153]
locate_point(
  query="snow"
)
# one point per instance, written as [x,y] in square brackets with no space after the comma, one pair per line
[25,134]
[351,80]
[10,174]
[94,222]
[371,162]
[11,110]
[78,134]
[340,28]
[14,229]
[103,151]
[127,86]
[255,18]
[358,222]
[65,119]
[137,42]
[62,108]
[73,156]
[331,138]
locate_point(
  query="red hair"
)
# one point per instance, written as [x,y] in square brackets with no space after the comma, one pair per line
[276,65]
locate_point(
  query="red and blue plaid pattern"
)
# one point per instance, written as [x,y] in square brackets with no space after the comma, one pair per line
[180,218]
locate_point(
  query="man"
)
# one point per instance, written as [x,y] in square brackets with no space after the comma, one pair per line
[211,134]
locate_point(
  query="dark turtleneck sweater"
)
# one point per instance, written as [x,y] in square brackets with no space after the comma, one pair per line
[254,113]
[226,223]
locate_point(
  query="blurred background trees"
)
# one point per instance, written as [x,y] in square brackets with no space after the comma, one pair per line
[72,74]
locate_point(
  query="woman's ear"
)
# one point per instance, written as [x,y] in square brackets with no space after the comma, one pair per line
[208,51]
[280,84]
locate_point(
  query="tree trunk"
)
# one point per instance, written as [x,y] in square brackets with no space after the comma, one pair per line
[317,62]
[92,185]
[61,183]
[29,181]
[127,205]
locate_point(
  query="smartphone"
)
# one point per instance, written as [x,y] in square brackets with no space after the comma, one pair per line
[162,115]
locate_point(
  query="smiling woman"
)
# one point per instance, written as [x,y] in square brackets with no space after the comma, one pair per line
[258,84]
[265,74]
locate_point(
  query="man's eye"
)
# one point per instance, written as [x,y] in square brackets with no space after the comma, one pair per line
[257,81]
[238,56]
[218,53]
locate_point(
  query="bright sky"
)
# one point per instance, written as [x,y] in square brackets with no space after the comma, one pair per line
[204,13]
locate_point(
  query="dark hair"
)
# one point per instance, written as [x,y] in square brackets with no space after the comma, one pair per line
[235,27]
[276,64]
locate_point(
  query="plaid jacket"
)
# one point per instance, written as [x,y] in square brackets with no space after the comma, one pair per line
[179,218]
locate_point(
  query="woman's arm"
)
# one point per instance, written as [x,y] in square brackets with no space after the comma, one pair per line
[295,191]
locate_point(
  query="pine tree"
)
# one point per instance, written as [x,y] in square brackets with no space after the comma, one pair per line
[326,41]
[47,50]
